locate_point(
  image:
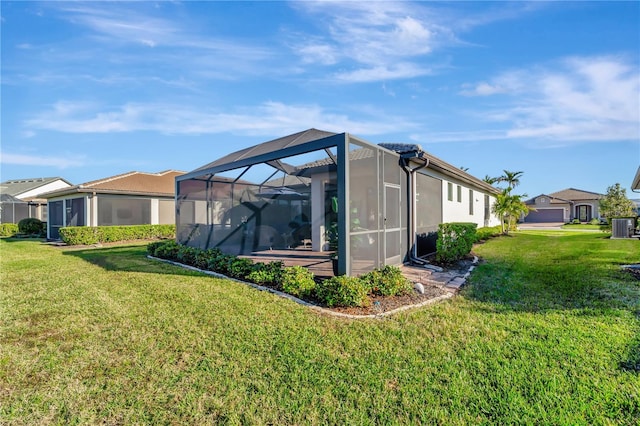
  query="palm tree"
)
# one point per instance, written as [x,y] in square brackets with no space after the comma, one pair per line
[509,208]
[490,180]
[511,178]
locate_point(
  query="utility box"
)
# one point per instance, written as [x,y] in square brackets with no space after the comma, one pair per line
[622,227]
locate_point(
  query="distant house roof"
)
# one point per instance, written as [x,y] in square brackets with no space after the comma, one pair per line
[6,198]
[18,187]
[576,194]
[552,199]
[635,185]
[131,183]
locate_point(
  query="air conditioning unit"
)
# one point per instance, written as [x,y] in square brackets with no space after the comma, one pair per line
[622,228]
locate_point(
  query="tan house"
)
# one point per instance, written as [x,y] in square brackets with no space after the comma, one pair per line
[134,198]
[564,206]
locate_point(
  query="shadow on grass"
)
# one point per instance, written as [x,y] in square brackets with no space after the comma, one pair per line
[129,258]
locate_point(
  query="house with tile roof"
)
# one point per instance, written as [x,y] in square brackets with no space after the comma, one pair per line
[564,206]
[134,198]
[21,198]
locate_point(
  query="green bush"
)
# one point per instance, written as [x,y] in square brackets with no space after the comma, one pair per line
[298,281]
[267,273]
[31,226]
[594,221]
[85,235]
[239,267]
[575,221]
[487,232]
[167,249]
[387,281]
[8,229]
[455,241]
[343,291]
[219,262]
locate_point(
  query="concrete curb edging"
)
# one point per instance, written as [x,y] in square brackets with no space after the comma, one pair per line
[316,308]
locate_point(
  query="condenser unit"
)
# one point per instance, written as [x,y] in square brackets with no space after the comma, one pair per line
[622,228]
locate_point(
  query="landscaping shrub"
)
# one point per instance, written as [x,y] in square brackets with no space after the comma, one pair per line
[455,241]
[187,255]
[343,291]
[219,262]
[8,229]
[85,235]
[298,281]
[387,281]
[239,267]
[487,232]
[594,221]
[575,221]
[31,226]
[167,249]
[267,273]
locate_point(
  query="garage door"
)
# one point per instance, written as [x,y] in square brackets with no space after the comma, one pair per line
[545,215]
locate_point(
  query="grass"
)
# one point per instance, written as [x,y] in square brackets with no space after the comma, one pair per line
[581,227]
[548,332]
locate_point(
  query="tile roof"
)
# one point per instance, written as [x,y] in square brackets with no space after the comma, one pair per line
[576,194]
[19,186]
[162,183]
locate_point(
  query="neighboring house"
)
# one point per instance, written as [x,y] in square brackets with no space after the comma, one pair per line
[289,193]
[133,198]
[21,198]
[564,206]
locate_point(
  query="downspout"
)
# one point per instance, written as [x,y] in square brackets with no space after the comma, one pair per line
[411,186]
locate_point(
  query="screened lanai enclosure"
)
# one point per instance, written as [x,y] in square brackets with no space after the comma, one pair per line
[312,191]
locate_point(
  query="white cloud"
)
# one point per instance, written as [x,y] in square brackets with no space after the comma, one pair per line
[269,117]
[383,39]
[383,72]
[376,36]
[35,160]
[581,99]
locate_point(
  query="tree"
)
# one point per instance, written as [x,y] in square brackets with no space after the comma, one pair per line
[512,179]
[490,180]
[509,208]
[616,204]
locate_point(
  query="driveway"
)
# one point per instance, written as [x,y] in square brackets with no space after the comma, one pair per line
[539,226]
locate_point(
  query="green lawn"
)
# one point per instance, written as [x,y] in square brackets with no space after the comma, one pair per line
[581,227]
[548,332]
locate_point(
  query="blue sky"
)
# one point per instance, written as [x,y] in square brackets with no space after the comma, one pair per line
[94,89]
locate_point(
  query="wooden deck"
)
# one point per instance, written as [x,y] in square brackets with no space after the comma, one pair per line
[317,262]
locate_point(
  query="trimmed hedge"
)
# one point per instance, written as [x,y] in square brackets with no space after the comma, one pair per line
[295,280]
[86,235]
[32,226]
[8,229]
[455,241]
[487,232]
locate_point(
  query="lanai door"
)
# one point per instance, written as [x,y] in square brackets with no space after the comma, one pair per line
[392,225]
